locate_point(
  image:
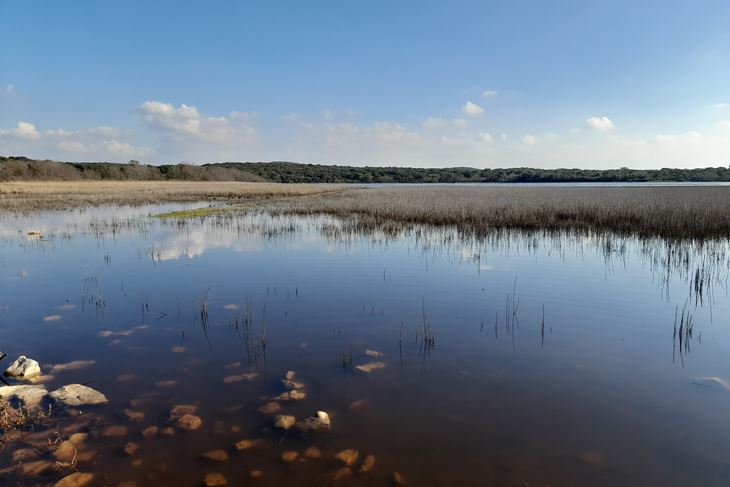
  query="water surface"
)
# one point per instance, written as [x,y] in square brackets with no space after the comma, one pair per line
[547,359]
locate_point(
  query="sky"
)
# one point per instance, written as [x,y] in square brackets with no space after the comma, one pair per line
[396,82]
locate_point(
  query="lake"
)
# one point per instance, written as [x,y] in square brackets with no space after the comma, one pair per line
[517,358]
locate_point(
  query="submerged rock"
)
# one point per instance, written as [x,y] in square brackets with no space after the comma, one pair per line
[23,368]
[348,457]
[369,367]
[77,479]
[270,408]
[74,365]
[29,395]
[179,410]
[256,474]
[312,452]
[218,455]
[592,457]
[367,464]
[289,456]
[398,479]
[31,469]
[189,422]
[359,405]
[246,444]
[131,448]
[78,395]
[24,454]
[293,395]
[150,432]
[214,480]
[341,474]
[319,421]
[284,422]
[114,431]
[373,353]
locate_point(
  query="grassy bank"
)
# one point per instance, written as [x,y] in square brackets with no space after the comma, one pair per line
[677,212]
[28,196]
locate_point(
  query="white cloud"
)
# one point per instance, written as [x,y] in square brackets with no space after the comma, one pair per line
[432,123]
[186,123]
[490,93]
[529,139]
[724,125]
[23,130]
[9,89]
[599,124]
[472,109]
[484,137]
[721,106]
[73,146]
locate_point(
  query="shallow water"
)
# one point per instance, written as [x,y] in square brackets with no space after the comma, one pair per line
[549,359]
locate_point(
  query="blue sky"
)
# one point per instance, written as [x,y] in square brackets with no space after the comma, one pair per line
[484,84]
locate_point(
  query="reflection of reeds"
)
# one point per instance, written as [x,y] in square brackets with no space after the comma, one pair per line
[683,331]
[204,316]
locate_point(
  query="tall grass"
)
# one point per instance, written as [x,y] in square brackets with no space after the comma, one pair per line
[677,212]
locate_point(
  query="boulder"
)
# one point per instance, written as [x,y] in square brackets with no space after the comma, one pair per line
[284,422]
[30,396]
[23,368]
[78,395]
[77,479]
[319,421]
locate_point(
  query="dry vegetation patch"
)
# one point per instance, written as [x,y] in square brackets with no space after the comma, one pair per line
[39,195]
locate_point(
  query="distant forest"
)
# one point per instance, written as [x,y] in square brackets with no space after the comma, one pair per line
[25,169]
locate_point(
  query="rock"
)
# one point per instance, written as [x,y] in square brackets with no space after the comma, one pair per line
[290,384]
[130,448]
[180,410]
[126,377]
[312,452]
[369,367]
[114,431]
[240,377]
[77,479]
[135,416]
[166,383]
[341,474]
[367,464]
[290,374]
[293,395]
[74,365]
[348,457]
[270,408]
[78,438]
[66,452]
[23,368]
[78,395]
[85,456]
[150,432]
[52,318]
[127,483]
[398,479]
[373,353]
[319,421]
[178,349]
[168,431]
[29,395]
[31,469]
[216,455]
[284,422]
[256,474]
[246,444]
[24,454]
[136,462]
[214,480]
[189,422]
[289,456]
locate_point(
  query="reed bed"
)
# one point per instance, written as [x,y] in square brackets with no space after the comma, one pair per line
[694,212]
[59,195]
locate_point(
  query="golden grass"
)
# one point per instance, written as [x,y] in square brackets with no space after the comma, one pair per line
[44,195]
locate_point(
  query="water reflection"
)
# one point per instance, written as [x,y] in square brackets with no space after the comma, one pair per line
[505,358]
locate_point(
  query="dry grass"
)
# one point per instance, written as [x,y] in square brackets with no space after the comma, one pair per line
[28,196]
[677,212]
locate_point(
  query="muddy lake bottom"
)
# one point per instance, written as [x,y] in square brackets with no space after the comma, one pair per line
[510,359]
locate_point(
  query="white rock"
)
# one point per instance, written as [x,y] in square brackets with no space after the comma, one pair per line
[78,395]
[30,395]
[319,421]
[23,369]
[284,422]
